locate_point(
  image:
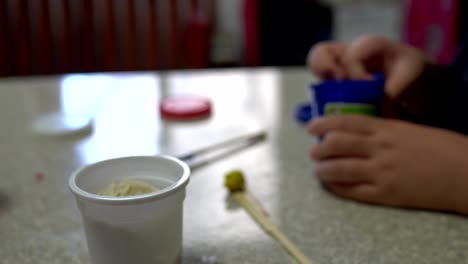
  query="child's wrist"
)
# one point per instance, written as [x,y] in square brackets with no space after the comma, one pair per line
[461,201]
[423,99]
[461,205]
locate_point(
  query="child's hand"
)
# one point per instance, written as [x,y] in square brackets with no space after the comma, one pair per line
[325,60]
[392,163]
[401,64]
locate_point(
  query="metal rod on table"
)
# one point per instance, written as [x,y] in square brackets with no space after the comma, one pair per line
[238,142]
[231,142]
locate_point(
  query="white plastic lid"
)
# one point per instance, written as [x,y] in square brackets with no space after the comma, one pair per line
[61,124]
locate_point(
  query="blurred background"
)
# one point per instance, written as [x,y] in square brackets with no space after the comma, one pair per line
[42,37]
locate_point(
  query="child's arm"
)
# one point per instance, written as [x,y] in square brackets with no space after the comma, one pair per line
[443,96]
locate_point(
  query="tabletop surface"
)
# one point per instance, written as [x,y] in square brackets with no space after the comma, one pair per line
[40,223]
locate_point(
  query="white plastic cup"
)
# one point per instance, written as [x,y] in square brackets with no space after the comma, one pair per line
[137,229]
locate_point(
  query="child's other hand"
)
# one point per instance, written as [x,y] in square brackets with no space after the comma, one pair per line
[392,162]
[401,64]
[325,60]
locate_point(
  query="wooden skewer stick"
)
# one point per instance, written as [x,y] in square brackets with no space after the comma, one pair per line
[256,203]
[271,229]
[237,186]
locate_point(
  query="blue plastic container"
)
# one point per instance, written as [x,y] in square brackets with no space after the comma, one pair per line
[348,97]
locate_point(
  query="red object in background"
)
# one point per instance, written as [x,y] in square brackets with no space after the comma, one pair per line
[77,41]
[432,25]
[87,36]
[108,35]
[45,39]
[152,43]
[131,37]
[173,44]
[252,56]
[23,38]
[197,38]
[4,47]
[65,38]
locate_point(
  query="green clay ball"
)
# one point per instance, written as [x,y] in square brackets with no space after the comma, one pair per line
[234,181]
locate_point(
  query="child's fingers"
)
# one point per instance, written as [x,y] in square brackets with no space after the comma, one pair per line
[363,192]
[344,170]
[402,75]
[364,53]
[326,67]
[331,71]
[356,70]
[341,144]
[324,60]
[349,123]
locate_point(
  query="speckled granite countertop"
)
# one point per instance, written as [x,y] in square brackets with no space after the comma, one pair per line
[39,221]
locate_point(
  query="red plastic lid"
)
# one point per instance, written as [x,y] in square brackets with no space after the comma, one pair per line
[185,107]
